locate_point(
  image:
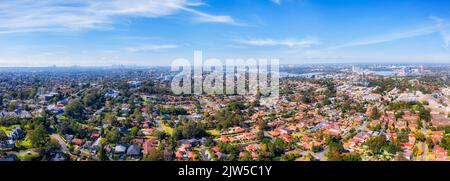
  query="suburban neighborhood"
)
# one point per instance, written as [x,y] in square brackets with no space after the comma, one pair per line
[335,113]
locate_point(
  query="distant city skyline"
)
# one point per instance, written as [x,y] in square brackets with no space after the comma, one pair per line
[155,32]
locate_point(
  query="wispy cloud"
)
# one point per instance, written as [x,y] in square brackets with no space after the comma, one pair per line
[389,37]
[208,18]
[440,26]
[49,15]
[145,48]
[276,2]
[307,42]
[443,28]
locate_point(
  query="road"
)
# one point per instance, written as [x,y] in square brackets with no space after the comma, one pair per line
[320,155]
[424,144]
[363,126]
[61,142]
[425,150]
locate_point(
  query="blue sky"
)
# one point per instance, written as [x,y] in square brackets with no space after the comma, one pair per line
[155,32]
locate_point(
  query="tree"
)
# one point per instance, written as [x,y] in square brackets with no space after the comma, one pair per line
[50,147]
[376,143]
[101,153]
[161,135]
[430,142]
[316,148]
[75,110]
[92,99]
[206,116]
[3,136]
[189,130]
[352,157]
[38,136]
[335,148]
[278,146]
[260,134]
[399,115]
[375,113]
[110,118]
[138,115]
[394,147]
[377,127]
[154,155]
[134,131]
[246,157]
[113,135]
[425,115]
[419,124]
[420,136]
[447,130]
[67,126]
[333,141]
[288,157]
[333,154]
[403,136]
[445,143]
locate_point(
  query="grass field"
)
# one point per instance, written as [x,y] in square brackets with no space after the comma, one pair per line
[8,129]
[26,143]
[28,156]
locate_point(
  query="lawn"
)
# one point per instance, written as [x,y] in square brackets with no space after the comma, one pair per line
[8,129]
[213,132]
[28,156]
[26,143]
[167,129]
[150,137]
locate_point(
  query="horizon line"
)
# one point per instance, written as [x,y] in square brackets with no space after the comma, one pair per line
[281,64]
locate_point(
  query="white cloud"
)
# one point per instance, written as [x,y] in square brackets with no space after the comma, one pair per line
[48,15]
[390,37]
[443,28]
[440,26]
[307,42]
[208,18]
[276,2]
[145,48]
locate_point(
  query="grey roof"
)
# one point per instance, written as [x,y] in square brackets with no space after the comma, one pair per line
[120,149]
[134,150]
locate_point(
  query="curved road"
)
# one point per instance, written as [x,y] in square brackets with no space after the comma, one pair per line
[61,142]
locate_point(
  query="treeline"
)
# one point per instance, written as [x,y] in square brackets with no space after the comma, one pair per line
[174,111]
[230,116]
[71,127]
[424,114]
[12,120]
[386,85]
[149,87]
[75,110]
[336,151]
[93,98]
[188,130]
